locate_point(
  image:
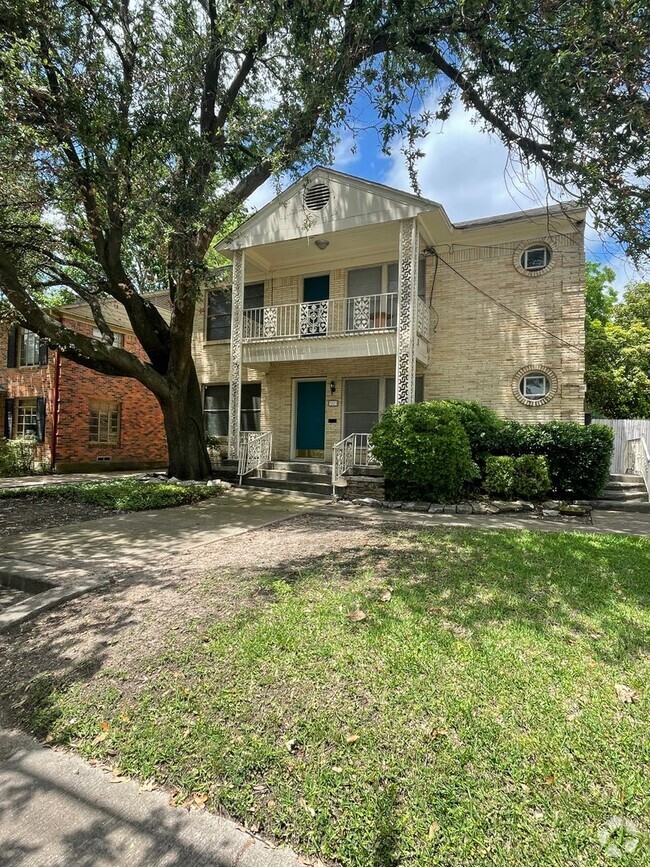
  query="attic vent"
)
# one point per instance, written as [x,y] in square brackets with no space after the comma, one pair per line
[317,196]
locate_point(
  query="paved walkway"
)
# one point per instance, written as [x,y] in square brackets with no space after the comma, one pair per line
[67,478]
[58,811]
[55,810]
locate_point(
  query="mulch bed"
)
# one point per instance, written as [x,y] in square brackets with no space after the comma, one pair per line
[32,514]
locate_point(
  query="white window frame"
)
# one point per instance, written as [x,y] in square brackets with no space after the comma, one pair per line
[118,336]
[535,374]
[26,416]
[29,348]
[534,248]
[109,417]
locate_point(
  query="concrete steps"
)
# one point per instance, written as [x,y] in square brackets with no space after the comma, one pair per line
[625,493]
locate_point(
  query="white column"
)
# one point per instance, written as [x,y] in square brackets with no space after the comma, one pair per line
[236,353]
[407,297]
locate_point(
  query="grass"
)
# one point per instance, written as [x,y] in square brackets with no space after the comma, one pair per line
[124,495]
[471,718]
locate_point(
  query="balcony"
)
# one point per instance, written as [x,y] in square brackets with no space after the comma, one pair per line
[336,328]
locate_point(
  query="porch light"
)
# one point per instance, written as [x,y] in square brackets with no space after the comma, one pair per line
[332,386]
[322,244]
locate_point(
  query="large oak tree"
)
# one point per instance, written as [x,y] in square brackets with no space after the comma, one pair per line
[131,134]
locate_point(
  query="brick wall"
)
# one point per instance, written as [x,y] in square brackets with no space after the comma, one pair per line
[142,440]
[477,347]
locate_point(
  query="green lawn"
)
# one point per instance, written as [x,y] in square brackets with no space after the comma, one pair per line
[471,718]
[126,495]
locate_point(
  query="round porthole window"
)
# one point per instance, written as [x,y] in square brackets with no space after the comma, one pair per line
[533,259]
[536,258]
[534,386]
[317,196]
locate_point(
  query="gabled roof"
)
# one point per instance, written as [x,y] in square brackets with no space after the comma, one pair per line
[349,202]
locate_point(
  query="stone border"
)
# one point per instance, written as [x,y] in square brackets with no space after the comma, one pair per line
[548,509]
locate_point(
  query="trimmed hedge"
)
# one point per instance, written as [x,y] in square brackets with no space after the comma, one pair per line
[425,452]
[526,476]
[578,456]
[482,426]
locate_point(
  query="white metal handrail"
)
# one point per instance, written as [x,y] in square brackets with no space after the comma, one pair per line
[353,451]
[254,451]
[637,460]
[335,316]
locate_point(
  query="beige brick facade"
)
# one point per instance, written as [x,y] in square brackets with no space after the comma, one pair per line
[490,319]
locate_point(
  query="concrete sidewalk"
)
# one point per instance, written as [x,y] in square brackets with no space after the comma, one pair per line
[58,811]
[86,556]
[67,478]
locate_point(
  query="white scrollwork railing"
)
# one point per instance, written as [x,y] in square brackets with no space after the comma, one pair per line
[423,319]
[335,316]
[353,451]
[254,451]
[637,460]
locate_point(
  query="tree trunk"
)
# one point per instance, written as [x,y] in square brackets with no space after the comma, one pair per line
[183,416]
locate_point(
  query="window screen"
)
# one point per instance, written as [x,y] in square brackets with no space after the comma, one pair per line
[361,405]
[216,407]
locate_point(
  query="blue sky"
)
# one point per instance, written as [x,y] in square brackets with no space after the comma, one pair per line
[469,173]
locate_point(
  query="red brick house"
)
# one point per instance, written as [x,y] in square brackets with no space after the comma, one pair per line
[83,420]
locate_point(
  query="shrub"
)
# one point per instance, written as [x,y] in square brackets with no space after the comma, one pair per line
[18,456]
[578,456]
[424,451]
[482,426]
[127,495]
[531,477]
[499,480]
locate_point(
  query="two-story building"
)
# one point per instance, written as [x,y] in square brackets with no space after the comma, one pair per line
[82,420]
[347,295]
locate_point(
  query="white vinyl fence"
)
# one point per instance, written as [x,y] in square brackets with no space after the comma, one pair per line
[625,429]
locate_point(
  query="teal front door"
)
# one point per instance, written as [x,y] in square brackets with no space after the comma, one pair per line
[310,419]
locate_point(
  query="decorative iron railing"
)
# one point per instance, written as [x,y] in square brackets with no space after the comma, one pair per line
[254,451]
[637,460]
[336,316]
[353,451]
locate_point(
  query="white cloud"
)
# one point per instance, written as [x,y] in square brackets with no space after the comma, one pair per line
[469,172]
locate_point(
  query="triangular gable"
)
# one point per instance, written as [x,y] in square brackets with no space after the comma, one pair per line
[324,201]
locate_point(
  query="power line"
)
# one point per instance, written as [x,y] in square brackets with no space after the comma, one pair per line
[505,307]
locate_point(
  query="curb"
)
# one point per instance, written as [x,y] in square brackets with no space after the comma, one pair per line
[44,601]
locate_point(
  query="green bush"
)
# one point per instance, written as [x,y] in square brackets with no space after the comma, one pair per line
[531,480]
[424,451]
[18,456]
[126,495]
[578,456]
[499,479]
[482,426]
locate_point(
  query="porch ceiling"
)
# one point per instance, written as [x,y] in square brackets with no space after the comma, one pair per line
[360,245]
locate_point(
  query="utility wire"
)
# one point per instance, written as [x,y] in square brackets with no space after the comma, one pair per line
[505,307]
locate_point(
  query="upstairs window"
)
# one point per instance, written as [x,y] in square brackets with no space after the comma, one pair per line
[378,279]
[118,337]
[219,315]
[536,258]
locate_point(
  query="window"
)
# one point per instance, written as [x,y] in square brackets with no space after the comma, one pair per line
[366,399]
[29,346]
[24,348]
[219,316]
[104,423]
[118,337]
[216,408]
[535,385]
[536,258]
[27,418]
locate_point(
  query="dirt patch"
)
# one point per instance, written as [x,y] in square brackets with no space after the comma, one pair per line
[116,629]
[28,514]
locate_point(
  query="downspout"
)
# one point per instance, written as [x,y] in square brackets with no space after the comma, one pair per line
[55,408]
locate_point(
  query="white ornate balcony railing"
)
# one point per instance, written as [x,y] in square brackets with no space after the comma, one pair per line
[637,460]
[336,316]
[354,451]
[254,451]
